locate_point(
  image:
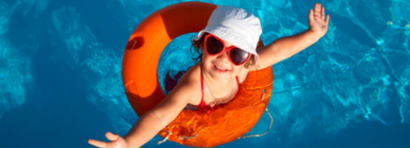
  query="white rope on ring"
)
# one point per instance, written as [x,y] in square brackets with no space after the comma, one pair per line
[166,138]
[180,137]
[259,135]
[270,125]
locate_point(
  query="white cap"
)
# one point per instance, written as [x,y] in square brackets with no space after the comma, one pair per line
[236,26]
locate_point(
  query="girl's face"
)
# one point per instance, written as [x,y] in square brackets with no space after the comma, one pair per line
[218,66]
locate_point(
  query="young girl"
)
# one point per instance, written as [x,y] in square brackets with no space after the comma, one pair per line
[228,44]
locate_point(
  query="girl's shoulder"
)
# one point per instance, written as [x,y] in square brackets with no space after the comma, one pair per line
[191,82]
[243,74]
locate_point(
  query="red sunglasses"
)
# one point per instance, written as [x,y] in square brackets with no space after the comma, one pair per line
[214,46]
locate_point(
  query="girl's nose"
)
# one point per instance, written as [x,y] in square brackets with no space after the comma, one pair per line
[223,56]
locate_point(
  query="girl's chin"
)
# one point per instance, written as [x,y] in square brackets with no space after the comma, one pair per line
[220,76]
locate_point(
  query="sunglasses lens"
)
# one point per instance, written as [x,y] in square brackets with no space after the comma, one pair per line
[213,45]
[238,56]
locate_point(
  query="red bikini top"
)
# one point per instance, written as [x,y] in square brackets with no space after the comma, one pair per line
[205,108]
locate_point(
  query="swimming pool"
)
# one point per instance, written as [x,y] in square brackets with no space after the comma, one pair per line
[60,73]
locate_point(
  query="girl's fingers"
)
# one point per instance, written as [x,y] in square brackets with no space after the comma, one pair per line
[311,14]
[317,9]
[323,13]
[111,137]
[327,19]
[97,143]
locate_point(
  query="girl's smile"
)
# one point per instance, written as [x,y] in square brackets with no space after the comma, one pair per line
[220,69]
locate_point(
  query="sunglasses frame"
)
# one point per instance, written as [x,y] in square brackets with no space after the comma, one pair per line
[228,50]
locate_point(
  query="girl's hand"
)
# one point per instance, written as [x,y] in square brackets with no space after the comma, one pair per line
[116,141]
[317,22]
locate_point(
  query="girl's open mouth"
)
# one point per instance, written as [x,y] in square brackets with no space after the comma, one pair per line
[219,69]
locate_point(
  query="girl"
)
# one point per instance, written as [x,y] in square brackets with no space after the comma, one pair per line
[228,44]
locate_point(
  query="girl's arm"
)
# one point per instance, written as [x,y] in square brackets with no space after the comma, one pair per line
[153,121]
[286,47]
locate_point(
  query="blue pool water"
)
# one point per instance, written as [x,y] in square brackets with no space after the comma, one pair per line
[60,73]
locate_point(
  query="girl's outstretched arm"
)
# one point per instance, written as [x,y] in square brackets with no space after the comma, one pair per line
[153,121]
[286,47]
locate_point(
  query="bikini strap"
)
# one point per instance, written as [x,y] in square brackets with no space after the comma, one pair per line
[237,80]
[202,90]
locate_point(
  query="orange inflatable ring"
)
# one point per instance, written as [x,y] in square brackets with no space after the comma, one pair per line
[191,128]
